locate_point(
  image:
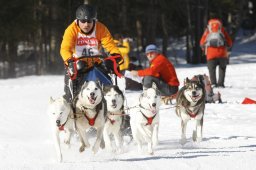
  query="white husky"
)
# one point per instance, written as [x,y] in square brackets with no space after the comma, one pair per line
[145,122]
[92,107]
[115,106]
[60,113]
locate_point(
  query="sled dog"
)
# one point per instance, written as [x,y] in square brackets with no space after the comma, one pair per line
[210,96]
[115,111]
[145,122]
[190,104]
[60,113]
[91,105]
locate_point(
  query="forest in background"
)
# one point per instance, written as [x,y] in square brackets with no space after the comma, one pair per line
[31,30]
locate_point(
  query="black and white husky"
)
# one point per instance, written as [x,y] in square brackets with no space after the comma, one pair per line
[145,122]
[90,109]
[190,104]
[60,115]
[115,111]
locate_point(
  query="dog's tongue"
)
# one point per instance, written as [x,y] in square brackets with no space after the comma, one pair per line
[153,110]
[194,97]
[92,101]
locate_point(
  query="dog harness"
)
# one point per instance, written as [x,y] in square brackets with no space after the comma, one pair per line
[112,121]
[62,126]
[149,119]
[91,120]
[195,111]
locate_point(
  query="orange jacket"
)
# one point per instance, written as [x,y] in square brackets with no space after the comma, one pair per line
[216,52]
[161,67]
[70,41]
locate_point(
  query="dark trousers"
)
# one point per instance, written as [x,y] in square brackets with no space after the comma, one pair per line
[72,87]
[164,88]
[212,64]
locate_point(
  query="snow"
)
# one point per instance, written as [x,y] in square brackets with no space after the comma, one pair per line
[229,133]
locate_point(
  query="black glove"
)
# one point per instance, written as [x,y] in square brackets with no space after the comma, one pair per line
[81,66]
[71,67]
[109,65]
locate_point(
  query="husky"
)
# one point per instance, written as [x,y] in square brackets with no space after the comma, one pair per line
[91,105]
[190,104]
[210,96]
[145,122]
[60,113]
[115,111]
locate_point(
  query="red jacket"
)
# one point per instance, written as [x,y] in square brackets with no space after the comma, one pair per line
[216,52]
[161,67]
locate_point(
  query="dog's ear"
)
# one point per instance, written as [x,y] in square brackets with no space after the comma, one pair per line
[82,88]
[154,86]
[102,87]
[51,100]
[186,81]
[98,82]
[141,95]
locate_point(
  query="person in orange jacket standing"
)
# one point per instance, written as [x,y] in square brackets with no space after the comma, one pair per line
[85,37]
[161,72]
[215,43]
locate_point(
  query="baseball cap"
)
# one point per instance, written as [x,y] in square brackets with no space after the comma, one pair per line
[151,48]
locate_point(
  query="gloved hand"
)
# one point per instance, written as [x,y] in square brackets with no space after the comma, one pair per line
[71,67]
[117,59]
[109,65]
[81,66]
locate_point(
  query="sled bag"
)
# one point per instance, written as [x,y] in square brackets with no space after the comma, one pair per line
[95,74]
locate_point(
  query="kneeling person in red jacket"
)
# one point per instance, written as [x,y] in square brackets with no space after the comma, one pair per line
[161,72]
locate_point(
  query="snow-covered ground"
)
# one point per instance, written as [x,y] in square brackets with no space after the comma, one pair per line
[229,134]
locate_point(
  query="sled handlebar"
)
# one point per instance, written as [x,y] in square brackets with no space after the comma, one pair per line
[112,58]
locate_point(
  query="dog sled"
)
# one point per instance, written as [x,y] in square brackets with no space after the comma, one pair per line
[97,73]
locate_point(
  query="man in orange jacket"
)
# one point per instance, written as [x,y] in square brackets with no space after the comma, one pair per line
[216,50]
[161,72]
[85,37]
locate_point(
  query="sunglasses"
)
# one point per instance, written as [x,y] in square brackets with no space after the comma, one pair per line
[86,20]
[150,53]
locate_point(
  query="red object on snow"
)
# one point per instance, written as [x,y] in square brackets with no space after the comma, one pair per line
[248,101]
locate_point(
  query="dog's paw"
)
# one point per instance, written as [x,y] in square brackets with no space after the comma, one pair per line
[81,149]
[60,158]
[183,141]
[198,139]
[151,153]
[67,141]
[119,150]
[194,136]
[95,149]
